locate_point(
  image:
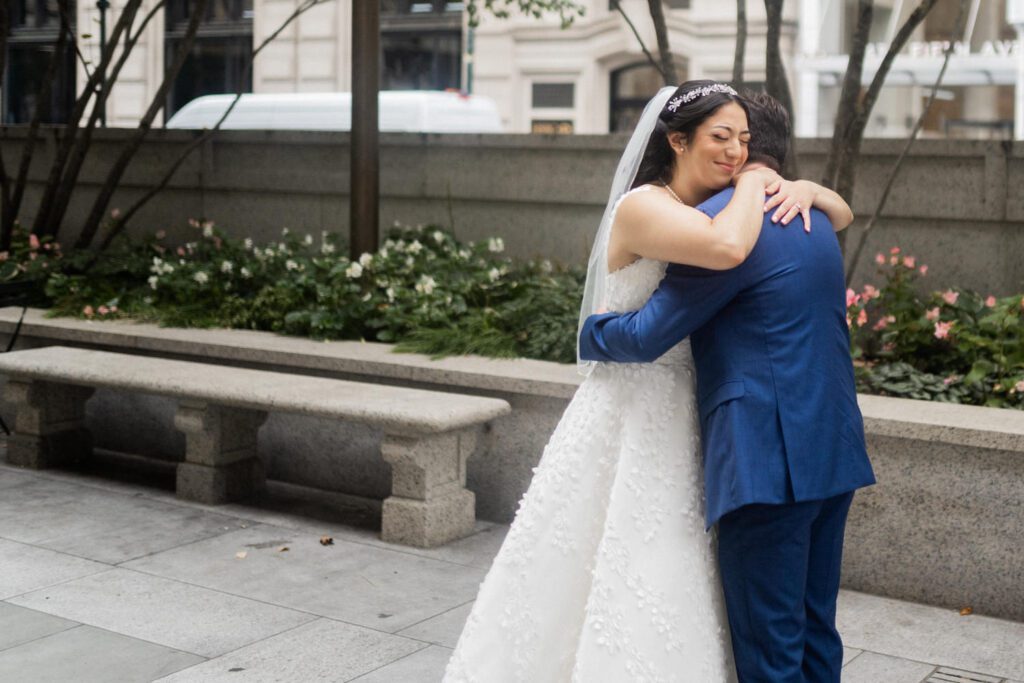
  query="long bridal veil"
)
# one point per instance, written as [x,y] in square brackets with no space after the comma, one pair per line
[597,269]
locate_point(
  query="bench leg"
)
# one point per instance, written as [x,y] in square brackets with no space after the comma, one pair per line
[430,504]
[49,424]
[221,464]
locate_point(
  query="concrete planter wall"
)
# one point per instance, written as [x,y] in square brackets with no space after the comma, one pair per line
[944,525]
[957,205]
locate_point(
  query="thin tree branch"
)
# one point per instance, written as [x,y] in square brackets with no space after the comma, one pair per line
[119,226]
[6,215]
[668,67]
[110,183]
[850,92]
[741,43]
[957,34]
[775,76]
[654,62]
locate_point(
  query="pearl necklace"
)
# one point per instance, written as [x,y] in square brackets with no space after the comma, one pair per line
[674,195]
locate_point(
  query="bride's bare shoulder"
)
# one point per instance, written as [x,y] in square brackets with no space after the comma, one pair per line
[638,202]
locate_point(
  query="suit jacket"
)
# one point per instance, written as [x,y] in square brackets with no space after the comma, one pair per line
[775,385]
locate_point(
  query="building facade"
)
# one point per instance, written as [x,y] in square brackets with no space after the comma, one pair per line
[591,77]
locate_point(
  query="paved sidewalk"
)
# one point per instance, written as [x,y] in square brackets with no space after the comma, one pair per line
[108,581]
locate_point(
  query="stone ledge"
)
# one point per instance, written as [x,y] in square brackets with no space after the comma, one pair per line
[971,426]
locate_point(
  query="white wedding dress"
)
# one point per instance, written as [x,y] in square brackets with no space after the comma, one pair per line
[606,574]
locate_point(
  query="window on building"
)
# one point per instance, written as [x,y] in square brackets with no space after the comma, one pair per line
[219,56]
[631,88]
[31,43]
[553,95]
[421,44]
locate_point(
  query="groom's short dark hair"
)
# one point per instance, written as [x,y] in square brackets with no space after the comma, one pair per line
[769,130]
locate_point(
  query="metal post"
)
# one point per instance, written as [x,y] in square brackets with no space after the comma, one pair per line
[364,212]
[103,6]
[469,61]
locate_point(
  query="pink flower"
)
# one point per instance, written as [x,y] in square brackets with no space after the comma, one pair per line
[880,258]
[923,270]
[950,297]
[990,301]
[851,297]
[103,310]
[894,250]
[33,242]
[893,260]
[888,346]
[87,311]
[870,293]
[932,314]
[115,213]
[942,329]
[3,256]
[1019,386]
[113,309]
[949,380]
[181,251]
[160,234]
[910,262]
[32,256]
[884,322]
[862,318]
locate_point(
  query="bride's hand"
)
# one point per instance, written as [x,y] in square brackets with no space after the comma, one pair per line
[792,197]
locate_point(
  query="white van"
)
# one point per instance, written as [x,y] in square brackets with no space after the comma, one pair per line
[400,111]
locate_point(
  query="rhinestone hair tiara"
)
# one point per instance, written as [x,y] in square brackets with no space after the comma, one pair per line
[690,95]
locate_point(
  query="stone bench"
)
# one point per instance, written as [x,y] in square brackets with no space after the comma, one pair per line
[427,435]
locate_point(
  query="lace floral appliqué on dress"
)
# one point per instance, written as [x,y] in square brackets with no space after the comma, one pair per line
[607,574]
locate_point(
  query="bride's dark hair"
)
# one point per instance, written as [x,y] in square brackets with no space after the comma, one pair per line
[658,160]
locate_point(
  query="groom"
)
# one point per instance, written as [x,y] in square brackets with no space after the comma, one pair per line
[783,438]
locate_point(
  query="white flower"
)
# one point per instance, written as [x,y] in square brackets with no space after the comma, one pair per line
[201,277]
[307,240]
[248,244]
[327,248]
[415,247]
[282,247]
[390,291]
[207,229]
[494,274]
[153,279]
[244,272]
[365,260]
[367,296]
[353,271]
[409,262]
[226,266]
[426,284]
[291,265]
[464,254]
[438,236]
[384,252]
[545,266]
[269,252]
[284,232]
[495,244]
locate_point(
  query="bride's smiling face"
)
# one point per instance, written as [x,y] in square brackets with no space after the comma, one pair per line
[715,152]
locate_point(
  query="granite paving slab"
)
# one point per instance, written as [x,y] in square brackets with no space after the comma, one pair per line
[932,634]
[849,653]
[869,667]
[425,666]
[85,654]
[357,583]
[178,615]
[20,625]
[9,476]
[444,629]
[323,650]
[27,568]
[101,525]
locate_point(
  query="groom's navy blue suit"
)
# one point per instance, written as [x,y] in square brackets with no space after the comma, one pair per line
[783,437]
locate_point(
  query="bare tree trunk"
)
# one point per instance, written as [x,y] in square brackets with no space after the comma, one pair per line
[99,207]
[955,36]
[44,94]
[776,82]
[120,225]
[78,154]
[66,141]
[741,43]
[855,109]
[632,27]
[668,66]
[6,215]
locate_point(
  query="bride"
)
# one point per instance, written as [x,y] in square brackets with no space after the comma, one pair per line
[607,573]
